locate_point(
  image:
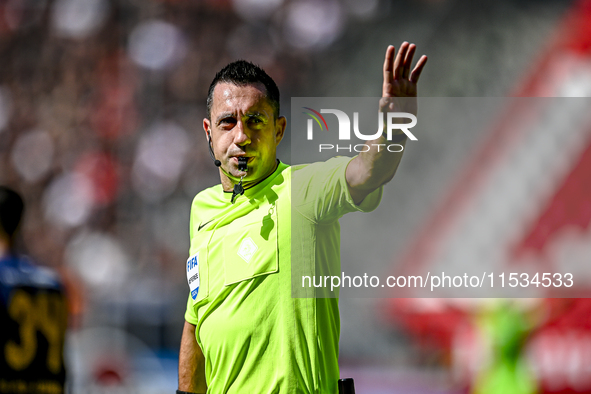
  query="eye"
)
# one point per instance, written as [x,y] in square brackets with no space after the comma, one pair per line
[256,121]
[227,123]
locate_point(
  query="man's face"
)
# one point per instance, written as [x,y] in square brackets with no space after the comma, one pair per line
[242,124]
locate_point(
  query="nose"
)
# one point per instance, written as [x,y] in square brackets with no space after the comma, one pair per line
[241,138]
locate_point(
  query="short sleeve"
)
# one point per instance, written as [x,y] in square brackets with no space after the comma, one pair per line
[320,191]
[190,315]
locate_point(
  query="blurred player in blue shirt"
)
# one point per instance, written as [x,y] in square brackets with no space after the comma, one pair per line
[33,314]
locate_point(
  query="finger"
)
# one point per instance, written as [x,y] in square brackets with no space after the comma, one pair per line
[399,61]
[408,61]
[416,73]
[388,69]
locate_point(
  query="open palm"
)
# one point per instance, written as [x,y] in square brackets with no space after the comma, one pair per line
[399,90]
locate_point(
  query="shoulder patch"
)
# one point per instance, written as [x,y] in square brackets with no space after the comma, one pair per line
[193,274]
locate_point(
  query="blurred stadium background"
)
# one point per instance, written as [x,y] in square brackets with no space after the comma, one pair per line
[101,106]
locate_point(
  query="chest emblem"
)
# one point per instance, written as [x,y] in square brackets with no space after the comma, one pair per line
[247,249]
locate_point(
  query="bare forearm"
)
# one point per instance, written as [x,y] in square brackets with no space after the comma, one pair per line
[381,160]
[191,362]
[373,168]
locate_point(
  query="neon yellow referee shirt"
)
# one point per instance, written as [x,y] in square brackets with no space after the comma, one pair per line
[255,337]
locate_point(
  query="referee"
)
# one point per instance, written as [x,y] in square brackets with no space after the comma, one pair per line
[244,333]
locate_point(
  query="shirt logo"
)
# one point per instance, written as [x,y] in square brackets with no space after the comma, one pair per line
[203,225]
[247,249]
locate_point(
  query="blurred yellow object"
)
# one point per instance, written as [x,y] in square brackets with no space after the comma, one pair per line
[505,328]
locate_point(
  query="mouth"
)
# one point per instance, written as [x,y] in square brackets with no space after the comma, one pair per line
[234,159]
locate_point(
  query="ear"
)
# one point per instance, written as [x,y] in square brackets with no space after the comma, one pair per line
[280,125]
[207,128]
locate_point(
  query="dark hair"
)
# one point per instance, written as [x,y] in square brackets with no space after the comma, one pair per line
[11,210]
[243,73]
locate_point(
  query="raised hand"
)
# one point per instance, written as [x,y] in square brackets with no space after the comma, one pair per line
[399,80]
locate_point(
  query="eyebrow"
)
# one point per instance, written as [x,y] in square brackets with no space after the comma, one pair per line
[248,114]
[253,114]
[222,116]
